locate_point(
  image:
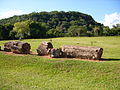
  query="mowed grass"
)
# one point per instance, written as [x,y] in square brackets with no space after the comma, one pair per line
[32,72]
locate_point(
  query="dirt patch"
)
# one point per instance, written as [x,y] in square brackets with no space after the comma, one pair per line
[13,54]
[69,59]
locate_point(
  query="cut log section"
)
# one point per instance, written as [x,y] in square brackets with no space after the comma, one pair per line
[56,53]
[82,52]
[17,47]
[8,45]
[44,48]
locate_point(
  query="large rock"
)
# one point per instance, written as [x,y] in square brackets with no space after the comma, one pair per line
[87,52]
[17,47]
[44,48]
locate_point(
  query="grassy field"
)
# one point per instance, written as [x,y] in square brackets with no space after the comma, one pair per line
[32,72]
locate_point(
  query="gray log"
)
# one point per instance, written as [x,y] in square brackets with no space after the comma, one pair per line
[17,47]
[44,48]
[82,52]
[8,45]
[56,53]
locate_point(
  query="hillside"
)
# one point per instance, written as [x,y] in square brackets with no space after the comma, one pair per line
[53,17]
[33,72]
[50,24]
[53,24]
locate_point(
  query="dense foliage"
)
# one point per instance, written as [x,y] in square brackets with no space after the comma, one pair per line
[53,24]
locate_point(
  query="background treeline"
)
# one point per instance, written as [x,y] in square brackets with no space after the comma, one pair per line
[53,24]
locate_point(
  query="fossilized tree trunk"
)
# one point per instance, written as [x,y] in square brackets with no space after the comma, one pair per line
[56,53]
[44,48]
[82,52]
[17,47]
[8,45]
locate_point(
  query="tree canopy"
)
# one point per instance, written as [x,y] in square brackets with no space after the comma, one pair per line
[53,24]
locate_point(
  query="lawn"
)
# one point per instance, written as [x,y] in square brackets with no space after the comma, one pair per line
[32,72]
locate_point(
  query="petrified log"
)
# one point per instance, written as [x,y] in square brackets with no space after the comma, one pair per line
[87,52]
[17,47]
[56,53]
[44,48]
[8,45]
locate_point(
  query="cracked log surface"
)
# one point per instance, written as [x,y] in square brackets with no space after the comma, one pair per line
[44,48]
[86,52]
[17,47]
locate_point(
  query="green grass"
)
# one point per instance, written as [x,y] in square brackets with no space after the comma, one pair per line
[33,72]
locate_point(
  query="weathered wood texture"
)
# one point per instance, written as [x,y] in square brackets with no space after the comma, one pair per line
[56,53]
[82,52]
[44,48]
[17,47]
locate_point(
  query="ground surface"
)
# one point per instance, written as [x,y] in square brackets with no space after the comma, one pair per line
[32,72]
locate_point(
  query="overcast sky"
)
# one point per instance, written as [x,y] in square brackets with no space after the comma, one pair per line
[104,11]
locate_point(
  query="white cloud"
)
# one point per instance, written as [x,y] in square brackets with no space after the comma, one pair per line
[10,13]
[111,19]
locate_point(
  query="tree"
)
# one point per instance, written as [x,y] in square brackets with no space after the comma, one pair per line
[77,31]
[106,31]
[116,29]
[37,29]
[97,30]
[5,30]
[53,33]
[22,29]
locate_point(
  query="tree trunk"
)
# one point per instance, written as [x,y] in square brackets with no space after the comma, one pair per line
[82,52]
[17,47]
[44,48]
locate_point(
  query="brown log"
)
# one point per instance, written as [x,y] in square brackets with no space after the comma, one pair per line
[44,48]
[87,52]
[17,47]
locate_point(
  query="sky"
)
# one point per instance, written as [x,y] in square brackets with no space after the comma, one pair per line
[103,11]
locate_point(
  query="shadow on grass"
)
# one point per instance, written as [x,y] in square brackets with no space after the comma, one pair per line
[109,59]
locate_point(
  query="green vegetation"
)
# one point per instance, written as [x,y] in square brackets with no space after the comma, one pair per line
[53,24]
[31,72]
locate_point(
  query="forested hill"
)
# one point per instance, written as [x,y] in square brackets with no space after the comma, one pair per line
[49,24]
[53,17]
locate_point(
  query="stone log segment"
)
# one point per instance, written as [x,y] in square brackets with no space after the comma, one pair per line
[56,53]
[44,48]
[87,52]
[17,47]
[8,45]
